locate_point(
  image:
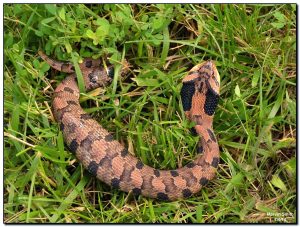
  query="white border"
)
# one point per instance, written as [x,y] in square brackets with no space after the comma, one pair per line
[156,1]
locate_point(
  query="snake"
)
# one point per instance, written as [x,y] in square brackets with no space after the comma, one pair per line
[109,161]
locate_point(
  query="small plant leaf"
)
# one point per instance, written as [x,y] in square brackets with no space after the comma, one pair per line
[255,78]
[62,14]
[277,182]
[51,8]
[237,91]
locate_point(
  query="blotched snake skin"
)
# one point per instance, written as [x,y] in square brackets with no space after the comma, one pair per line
[110,161]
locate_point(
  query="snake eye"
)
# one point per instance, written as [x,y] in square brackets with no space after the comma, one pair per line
[93,78]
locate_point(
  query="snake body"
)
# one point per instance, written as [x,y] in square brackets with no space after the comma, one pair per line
[110,161]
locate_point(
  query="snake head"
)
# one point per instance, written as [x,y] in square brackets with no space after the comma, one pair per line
[98,73]
[205,71]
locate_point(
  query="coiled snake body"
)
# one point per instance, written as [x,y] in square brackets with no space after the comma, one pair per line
[110,161]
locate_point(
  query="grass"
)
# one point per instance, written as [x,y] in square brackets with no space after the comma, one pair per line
[254,47]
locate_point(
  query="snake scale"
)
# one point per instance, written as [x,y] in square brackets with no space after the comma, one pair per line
[110,161]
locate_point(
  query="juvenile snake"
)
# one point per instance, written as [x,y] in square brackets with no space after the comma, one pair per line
[110,161]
